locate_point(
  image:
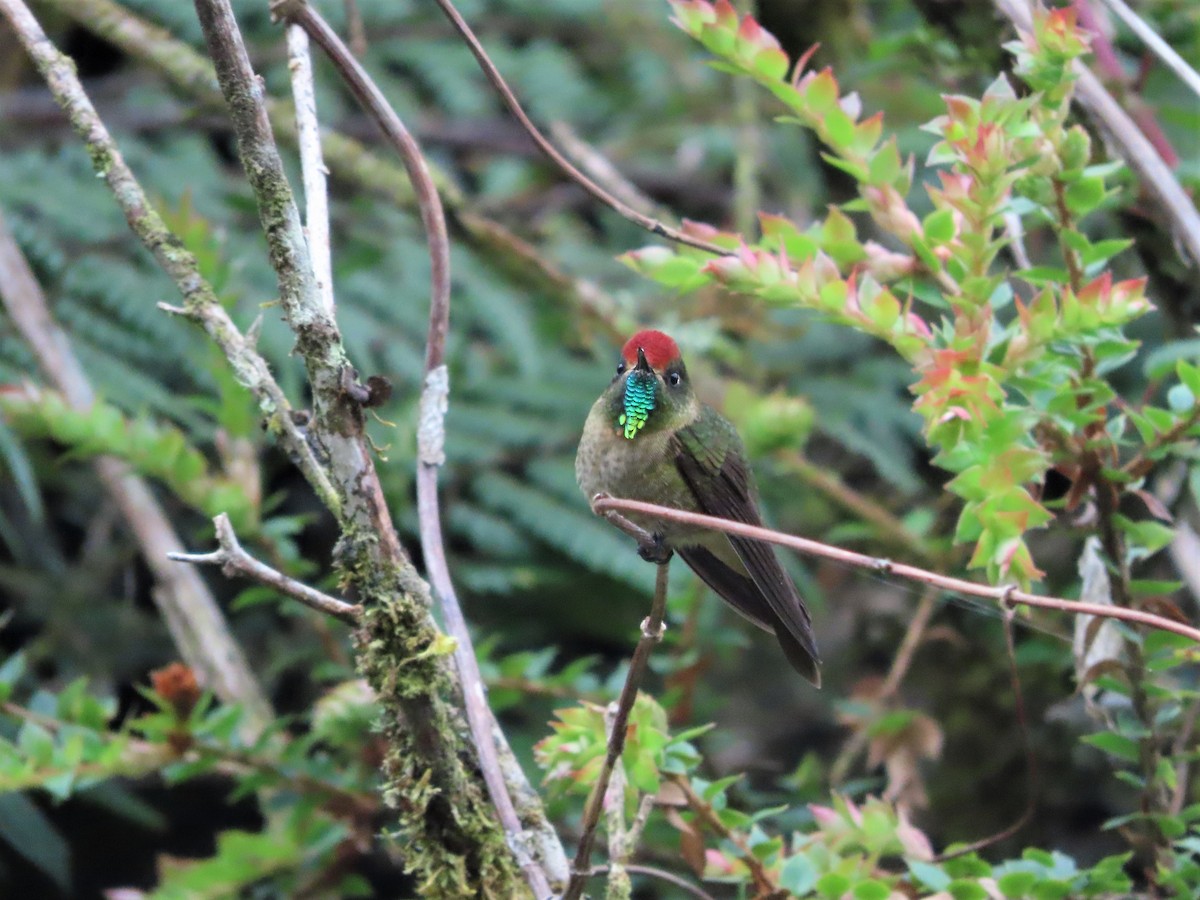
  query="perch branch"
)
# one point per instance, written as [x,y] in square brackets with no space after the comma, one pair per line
[652,632]
[430,435]
[192,616]
[514,106]
[234,560]
[1005,595]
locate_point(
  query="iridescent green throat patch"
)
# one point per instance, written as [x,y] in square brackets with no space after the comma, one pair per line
[639,400]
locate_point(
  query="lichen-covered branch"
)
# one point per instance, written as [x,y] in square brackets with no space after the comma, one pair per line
[539,836]
[452,840]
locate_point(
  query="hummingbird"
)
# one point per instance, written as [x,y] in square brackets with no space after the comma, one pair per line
[648,437]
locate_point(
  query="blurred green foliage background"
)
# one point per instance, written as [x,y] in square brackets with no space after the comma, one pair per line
[545,583]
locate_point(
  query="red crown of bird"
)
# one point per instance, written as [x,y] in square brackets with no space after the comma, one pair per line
[660,350]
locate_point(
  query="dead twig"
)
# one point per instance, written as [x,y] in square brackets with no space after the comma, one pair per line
[595,190]
[234,560]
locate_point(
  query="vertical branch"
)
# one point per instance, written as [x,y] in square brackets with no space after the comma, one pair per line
[652,632]
[453,839]
[430,456]
[312,163]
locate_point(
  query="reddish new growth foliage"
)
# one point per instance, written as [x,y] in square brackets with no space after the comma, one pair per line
[177,685]
[659,348]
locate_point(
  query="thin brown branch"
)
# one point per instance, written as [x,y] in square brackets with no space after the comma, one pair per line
[602,169]
[652,632]
[662,875]
[1005,595]
[193,618]
[514,106]
[235,561]
[1031,766]
[901,663]
[430,437]
[763,882]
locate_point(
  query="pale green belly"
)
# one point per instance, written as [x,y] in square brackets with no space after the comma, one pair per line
[637,469]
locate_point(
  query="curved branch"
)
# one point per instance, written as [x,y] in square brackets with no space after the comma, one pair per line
[514,106]
[1005,595]
[433,405]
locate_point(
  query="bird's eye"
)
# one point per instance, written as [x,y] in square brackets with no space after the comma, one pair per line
[621,368]
[674,379]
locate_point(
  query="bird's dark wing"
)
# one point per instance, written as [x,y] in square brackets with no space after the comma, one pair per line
[709,459]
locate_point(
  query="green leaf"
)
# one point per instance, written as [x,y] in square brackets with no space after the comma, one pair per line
[1116,744]
[1084,194]
[798,874]
[928,874]
[966,890]
[1181,398]
[1016,884]
[873,889]
[28,831]
[832,885]
[938,226]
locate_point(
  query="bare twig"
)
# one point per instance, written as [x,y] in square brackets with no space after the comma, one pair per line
[601,168]
[312,162]
[652,632]
[1031,766]
[233,560]
[192,615]
[1129,141]
[514,106]
[1005,595]
[662,875]
[1156,44]
[763,882]
[891,684]
[430,436]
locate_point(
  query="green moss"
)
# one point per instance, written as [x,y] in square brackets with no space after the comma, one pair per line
[450,836]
